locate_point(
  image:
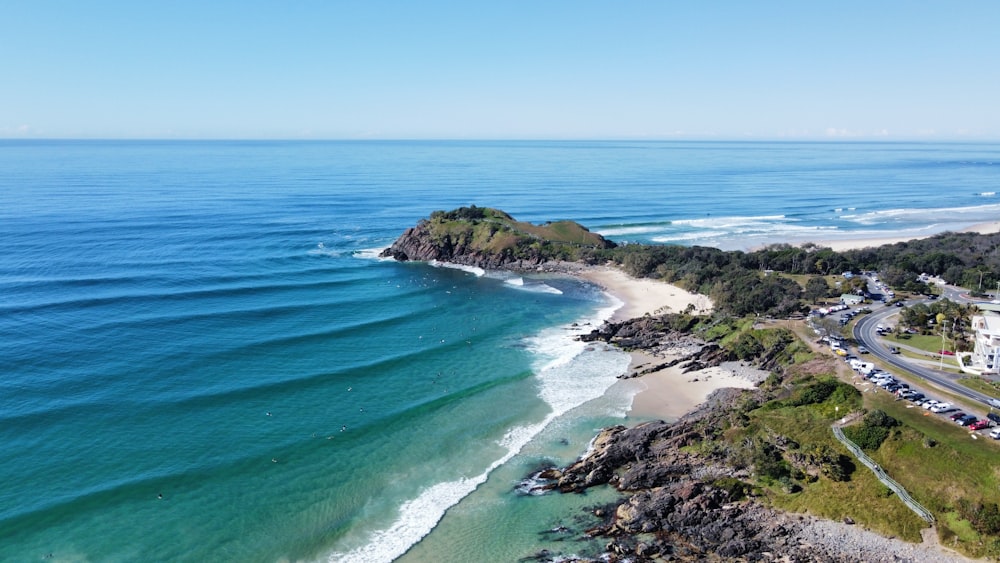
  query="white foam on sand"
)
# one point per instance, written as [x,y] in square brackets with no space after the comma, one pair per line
[569,372]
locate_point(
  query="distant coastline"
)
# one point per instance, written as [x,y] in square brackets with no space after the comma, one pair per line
[849,242]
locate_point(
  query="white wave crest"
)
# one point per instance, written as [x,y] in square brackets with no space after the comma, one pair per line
[570,373]
[636,230]
[933,215]
[478,272]
[729,222]
[534,287]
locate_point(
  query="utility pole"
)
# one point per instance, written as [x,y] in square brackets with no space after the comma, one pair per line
[941,351]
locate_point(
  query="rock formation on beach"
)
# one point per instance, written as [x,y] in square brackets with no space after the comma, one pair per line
[680,505]
[491,239]
[683,496]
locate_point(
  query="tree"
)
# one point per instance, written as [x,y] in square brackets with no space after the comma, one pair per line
[817,287]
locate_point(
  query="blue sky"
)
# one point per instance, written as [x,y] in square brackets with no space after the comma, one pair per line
[504,69]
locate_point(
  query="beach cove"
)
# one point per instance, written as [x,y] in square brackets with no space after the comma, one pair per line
[153,314]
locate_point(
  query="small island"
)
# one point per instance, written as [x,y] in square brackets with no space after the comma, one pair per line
[756,472]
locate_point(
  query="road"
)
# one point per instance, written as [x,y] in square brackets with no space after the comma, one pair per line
[864,333]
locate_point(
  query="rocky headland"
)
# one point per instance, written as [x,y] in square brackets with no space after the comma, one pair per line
[493,240]
[680,501]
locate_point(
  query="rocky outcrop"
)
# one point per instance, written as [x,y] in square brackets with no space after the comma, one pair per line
[683,506]
[493,240]
[419,244]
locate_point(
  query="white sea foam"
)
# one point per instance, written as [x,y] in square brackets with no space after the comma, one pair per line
[973,213]
[478,272]
[636,230]
[987,194]
[728,222]
[371,253]
[534,287]
[569,372]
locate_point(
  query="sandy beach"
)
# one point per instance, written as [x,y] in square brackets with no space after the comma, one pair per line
[642,296]
[840,245]
[667,393]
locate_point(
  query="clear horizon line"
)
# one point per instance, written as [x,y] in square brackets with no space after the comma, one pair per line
[701,139]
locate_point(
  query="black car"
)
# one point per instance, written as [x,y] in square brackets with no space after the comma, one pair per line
[966,420]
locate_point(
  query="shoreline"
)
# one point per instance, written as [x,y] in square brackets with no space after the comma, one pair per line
[850,243]
[668,393]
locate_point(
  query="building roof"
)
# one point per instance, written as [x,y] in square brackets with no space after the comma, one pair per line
[987,322]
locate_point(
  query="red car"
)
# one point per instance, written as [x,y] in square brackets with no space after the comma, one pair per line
[946,353]
[980,424]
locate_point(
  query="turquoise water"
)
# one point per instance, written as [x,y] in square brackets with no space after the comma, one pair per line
[207,321]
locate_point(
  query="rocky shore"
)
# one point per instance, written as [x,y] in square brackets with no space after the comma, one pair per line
[680,505]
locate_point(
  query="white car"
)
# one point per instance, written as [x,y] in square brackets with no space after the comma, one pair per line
[941,407]
[929,404]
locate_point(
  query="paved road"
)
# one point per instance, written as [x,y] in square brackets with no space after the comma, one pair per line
[864,333]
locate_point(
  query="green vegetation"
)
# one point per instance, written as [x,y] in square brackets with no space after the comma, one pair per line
[874,430]
[733,279]
[484,223]
[492,232]
[781,435]
[985,386]
[736,281]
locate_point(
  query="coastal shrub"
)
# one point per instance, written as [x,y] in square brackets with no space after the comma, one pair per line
[736,489]
[867,437]
[814,393]
[880,418]
[845,394]
[984,517]
[769,464]
[747,347]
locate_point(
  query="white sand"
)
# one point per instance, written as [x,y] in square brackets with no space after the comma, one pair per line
[667,393]
[643,296]
[840,245]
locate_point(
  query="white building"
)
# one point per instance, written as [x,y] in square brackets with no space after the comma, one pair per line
[986,355]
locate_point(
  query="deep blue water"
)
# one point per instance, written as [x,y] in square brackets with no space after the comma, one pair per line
[207,321]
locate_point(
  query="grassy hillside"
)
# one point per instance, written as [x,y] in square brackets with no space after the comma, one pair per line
[492,229]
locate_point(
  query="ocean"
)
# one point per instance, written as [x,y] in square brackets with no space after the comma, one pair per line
[203,359]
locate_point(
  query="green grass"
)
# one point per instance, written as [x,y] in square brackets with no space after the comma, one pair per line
[984,386]
[862,498]
[925,342]
[956,466]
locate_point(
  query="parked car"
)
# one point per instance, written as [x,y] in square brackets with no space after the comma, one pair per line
[862,350]
[980,424]
[995,433]
[929,404]
[946,353]
[917,397]
[956,415]
[941,407]
[966,420]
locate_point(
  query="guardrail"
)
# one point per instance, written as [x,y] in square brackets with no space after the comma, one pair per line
[882,476]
